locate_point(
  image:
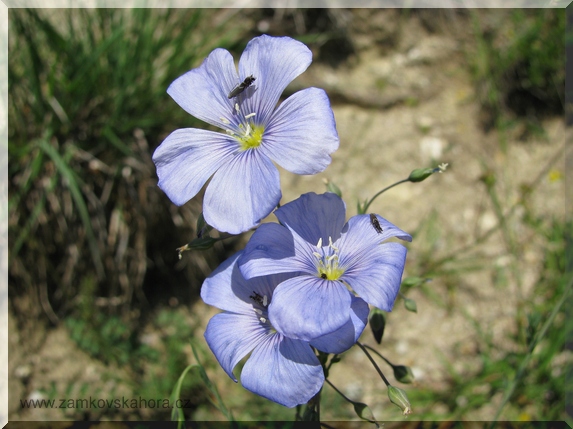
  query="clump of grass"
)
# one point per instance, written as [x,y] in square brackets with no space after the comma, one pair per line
[531,379]
[87,107]
[518,65]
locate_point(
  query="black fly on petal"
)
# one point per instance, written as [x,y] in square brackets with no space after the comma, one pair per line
[257,297]
[242,86]
[375,223]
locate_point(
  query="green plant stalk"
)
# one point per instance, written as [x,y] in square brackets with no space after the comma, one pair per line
[367,205]
[219,404]
[362,410]
[177,413]
[373,363]
[312,409]
[379,354]
[30,222]
[512,248]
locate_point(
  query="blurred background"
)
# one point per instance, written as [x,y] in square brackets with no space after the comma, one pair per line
[101,305]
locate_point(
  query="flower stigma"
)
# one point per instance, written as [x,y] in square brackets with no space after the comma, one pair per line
[249,135]
[327,261]
[252,136]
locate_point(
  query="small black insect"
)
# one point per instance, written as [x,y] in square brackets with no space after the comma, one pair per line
[257,297]
[375,223]
[242,86]
[323,276]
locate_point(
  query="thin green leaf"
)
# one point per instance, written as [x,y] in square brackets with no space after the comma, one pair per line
[212,388]
[68,174]
[25,231]
[176,412]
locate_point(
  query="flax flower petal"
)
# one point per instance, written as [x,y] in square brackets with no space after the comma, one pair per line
[283,370]
[359,232]
[218,288]
[202,92]
[232,336]
[241,193]
[301,134]
[342,339]
[274,62]
[376,273]
[274,249]
[314,217]
[187,158]
[307,307]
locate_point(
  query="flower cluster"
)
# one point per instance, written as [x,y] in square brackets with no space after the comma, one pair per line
[289,291]
[300,285]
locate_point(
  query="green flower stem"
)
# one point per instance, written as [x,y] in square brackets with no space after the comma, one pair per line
[346,398]
[417,175]
[312,409]
[378,353]
[367,205]
[373,363]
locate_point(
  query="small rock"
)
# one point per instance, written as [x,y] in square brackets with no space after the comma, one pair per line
[432,147]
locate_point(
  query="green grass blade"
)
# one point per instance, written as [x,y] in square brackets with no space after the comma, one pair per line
[212,388]
[67,173]
[177,413]
[536,340]
[34,169]
[25,231]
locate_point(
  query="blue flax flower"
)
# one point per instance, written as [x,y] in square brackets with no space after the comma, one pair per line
[329,257]
[281,369]
[299,135]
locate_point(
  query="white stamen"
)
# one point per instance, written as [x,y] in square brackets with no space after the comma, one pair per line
[224,120]
[250,115]
[331,244]
[237,107]
[327,260]
[262,319]
[231,133]
[258,310]
[265,301]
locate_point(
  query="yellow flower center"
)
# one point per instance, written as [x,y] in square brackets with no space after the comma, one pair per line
[327,261]
[252,137]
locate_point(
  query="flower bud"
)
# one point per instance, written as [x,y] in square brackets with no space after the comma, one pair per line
[202,226]
[403,374]
[410,305]
[202,243]
[364,412]
[377,324]
[412,281]
[398,397]
[331,187]
[420,174]
[361,208]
